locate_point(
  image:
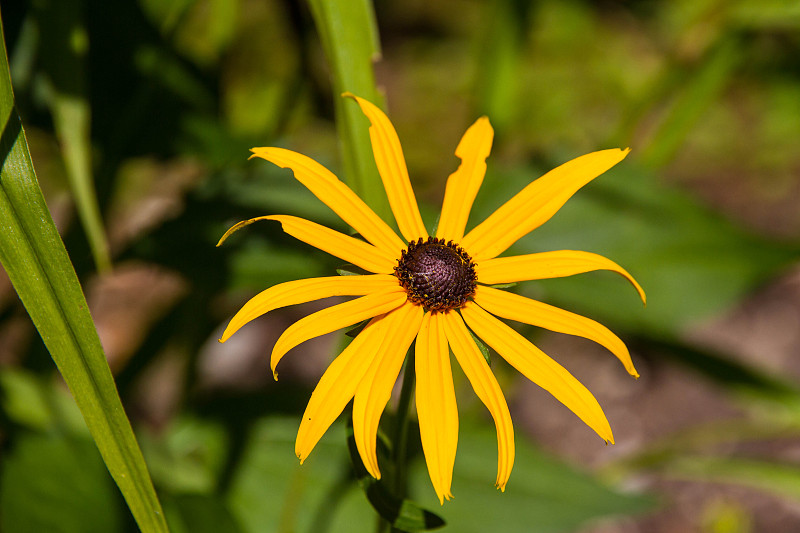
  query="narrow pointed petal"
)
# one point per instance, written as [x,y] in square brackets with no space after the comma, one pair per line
[336,195]
[306,290]
[536,203]
[463,184]
[436,404]
[392,167]
[488,390]
[337,386]
[375,388]
[338,244]
[538,367]
[547,265]
[515,307]
[336,317]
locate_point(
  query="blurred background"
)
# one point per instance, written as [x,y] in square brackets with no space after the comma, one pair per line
[157,102]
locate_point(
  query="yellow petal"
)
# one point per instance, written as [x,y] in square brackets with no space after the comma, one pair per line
[547,265]
[488,390]
[337,386]
[336,195]
[306,290]
[536,203]
[375,388]
[392,167]
[538,367]
[338,244]
[515,307]
[436,404]
[463,184]
[336,317]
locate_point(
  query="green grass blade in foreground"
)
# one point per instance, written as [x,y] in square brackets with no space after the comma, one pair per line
[350,40]
[37,263]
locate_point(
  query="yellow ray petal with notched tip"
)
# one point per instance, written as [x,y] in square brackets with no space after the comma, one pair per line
[536,203]
[336,195]
[463,184]
[546,265]
[338,244]
[375,388]
[306,290]
[336,317]
[486,388]
[337,386]
[538,367]
[436,404]
[515,307]
[392,168]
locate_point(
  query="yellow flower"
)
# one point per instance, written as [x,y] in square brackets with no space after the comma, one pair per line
[435,289]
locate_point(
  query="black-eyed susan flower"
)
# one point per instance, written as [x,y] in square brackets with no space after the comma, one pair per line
[438,290]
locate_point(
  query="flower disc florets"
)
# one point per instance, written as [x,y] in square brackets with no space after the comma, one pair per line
[437,275]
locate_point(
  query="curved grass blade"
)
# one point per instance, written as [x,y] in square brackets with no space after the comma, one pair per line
[37,263]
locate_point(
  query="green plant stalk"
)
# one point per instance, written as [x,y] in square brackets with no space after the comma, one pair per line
[349,39]
[400,454]
[400,436]
[34,257]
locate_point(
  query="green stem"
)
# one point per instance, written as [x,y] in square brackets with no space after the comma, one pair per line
[400,455]
[400,438]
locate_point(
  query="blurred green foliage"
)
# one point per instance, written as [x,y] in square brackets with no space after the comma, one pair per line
[151,124]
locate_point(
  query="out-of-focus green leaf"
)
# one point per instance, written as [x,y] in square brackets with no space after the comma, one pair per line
[271,491]
[166,14]
[56,484]
[275,190]
[258,264]
[23,399]
[543,494]
[499,81]
[350,39]
[779,395]
[699,89]
[261,80]
[199,513]
[37,264]
[200,29]
[771,14]
[779,478]
[189,457]
[64,46]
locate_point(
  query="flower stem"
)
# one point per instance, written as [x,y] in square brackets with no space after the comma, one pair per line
[400,438]
[400,455]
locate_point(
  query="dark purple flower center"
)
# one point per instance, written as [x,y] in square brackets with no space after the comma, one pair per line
[437,275]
